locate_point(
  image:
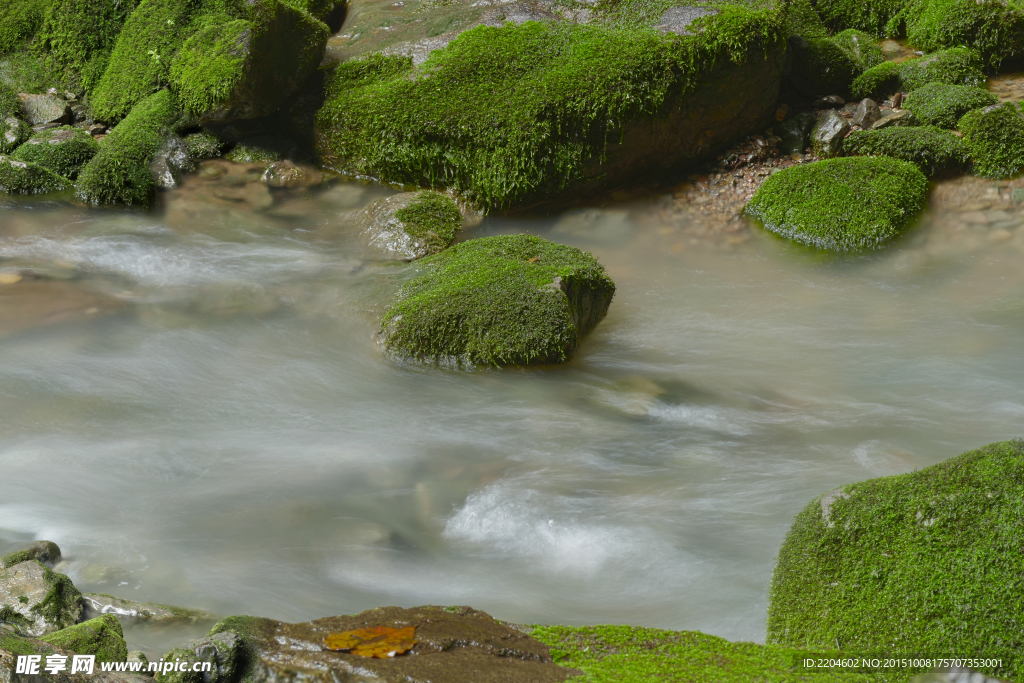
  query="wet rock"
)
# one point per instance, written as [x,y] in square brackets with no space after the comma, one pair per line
[899,118]
[63,150]
[139,657]
[39,109]
[287,174]
[829,102]
[795,133]
[102,637]
[222,650]
[866,114]
[170,163]
[204,145]
[828,134]
[19,177]
[410,225]
[256,195]
[46,552]
[98,604]
[456,645]
[260,149]
[37,600]
[13,132]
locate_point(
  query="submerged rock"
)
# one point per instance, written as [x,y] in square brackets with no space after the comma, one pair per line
[63,150]
[37,600]
[98,604]
[19,177]
[411,225]
[46,552]
[287,173]
[503,300]
[841,204]
[995,138]
[170,163]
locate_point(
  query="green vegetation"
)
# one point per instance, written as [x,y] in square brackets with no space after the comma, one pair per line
[261,149]
[203,145]
[513,113]
[10,104]
[182,654]
[210,65]
[63,150]
[841,204]
[17,177]
[496,301]
[19,21]
[802,20]
[995,137]
[120,172]
[956,66]
[433,218]
[931,149]
[871,17]
[938,104]
[62,604]
[17,557]
[26,71]
[102,637]
[921,562]
[629,654]
[79,34]
[993,28]
[13,132]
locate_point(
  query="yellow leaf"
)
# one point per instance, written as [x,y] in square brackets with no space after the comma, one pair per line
[376,641]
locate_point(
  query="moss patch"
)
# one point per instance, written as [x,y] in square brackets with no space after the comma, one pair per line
[10,105]
[938,104]
[204,145]
[956,66]
[872,17]
[79,34]
[915,563]
[261,149]
[19,21]
[841,204]
[211,64]
[993,28]
[18,177]
[102,637]
[25,71]
[995,137]
[120,172]
[931,149]
[62,604]
[494,301]
[63,150]
[433,218]
[13,132]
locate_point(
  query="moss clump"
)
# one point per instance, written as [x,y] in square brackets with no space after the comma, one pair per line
[79,34]
[62,604]
[18,177]
[63,150]
[25,71]
[433,218]
[827,65]
[13,132]
[872,17]
[513,113]
[17,557]
[261,149]
[10,104]
[841,204]
[802,20]
[211,64]
[861,47]
[931,149]
[921,562]
[505,300]
[629,654]
[120,172]
[993,28]
[938,104]
[102,637]
[956,66]
[182,654]
[995,138]
[204,145]
[19,21]
[9,615]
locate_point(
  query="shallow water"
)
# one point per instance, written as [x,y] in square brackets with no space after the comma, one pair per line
[195,411]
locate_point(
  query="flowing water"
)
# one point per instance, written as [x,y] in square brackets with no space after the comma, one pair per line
[194,409]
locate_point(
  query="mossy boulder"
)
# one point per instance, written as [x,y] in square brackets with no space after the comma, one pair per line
[261,149]
[503,300]
[19,177]
[993,28]
[923,562]
[841,204]
[102,637]
[10,104]
[995,138]
[46,552]
[938,104]
[63,150]
[37,600]
[13,133]
[204,145]
[956,66]
[933,150]
[78,35]
[411,225]
[19,21]
[120,172]
[829,65]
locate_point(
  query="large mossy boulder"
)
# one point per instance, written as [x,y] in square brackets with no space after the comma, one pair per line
[938,104]
[102,637]
[78,35]
[35,600]
[926,562]
[956,66]
[828,65]
[411,225]
[19,177]
[63,150]
[519,113]
[995,138]
[933,150]
[19,21]
[503,300]
[841,204]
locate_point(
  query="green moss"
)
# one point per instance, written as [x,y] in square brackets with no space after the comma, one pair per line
[492,301]
[79,34]
[871,17]
[14,558]
[25,71]
[931,149]
[204,145]
[630,654]
[802,20]
[62,604]
[938,104]
[993,28]
[183,655]
[120,172]
[250,630]
[861,47]
[102,637]
[841,204]
[261,149]
[19,21]
[507,114]
[995,137]
[9,615]
[433,218]
[956,66]
[829,65]
[23,646]
[17,177]
[210,65]
[63,150]
[10,105]
[926,562]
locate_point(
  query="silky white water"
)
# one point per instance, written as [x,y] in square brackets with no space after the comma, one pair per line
[193,408]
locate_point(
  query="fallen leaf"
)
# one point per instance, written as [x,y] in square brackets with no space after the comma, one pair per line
[533,260]
[376,641]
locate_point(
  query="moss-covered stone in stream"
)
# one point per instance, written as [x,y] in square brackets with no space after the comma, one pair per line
[503,300]
[938,104]
[995,138]
[630,654]
[62,604]
[956,66]
[120,172]
[203,145]
[78,35]
[102,637]
[928,561]
[18,177]
[19,21]
[432,218]
[841,204]
[931,149]
[63,150]
[993,28]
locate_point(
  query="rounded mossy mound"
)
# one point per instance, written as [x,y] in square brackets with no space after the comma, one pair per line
[78,35]
[19,21]
[433,219]
[503,300]
[926,562]
[931,149]
[63,150]
[956,66]
[938,104]
[824,65]
[19,177]
[993,28]
[841,204]
[995,138]
[102,637]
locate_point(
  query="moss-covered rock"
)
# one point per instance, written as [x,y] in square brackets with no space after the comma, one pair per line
[46,552]
[938,104]
[956,66]
[13,132]
[921,562]
[98,604]
[10,105]
[995,138]
[871,17]
[504,300]
[993,28]
[102,637]
[828,65]
[931,149]
[19,177]
[411,225]
[261,149]
[63,150]
[79,34]
[841,204]
[204,145]
[35,599]
[120,172]
[19,21]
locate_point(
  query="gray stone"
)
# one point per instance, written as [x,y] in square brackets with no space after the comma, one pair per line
[37,600]
[678,19]
[170,163]
[261,149]
[827,137]
[867,113]
[795,133]
[40,109]
[139,657]
[46,552]
[899,118]
[13,132]
[98,604]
